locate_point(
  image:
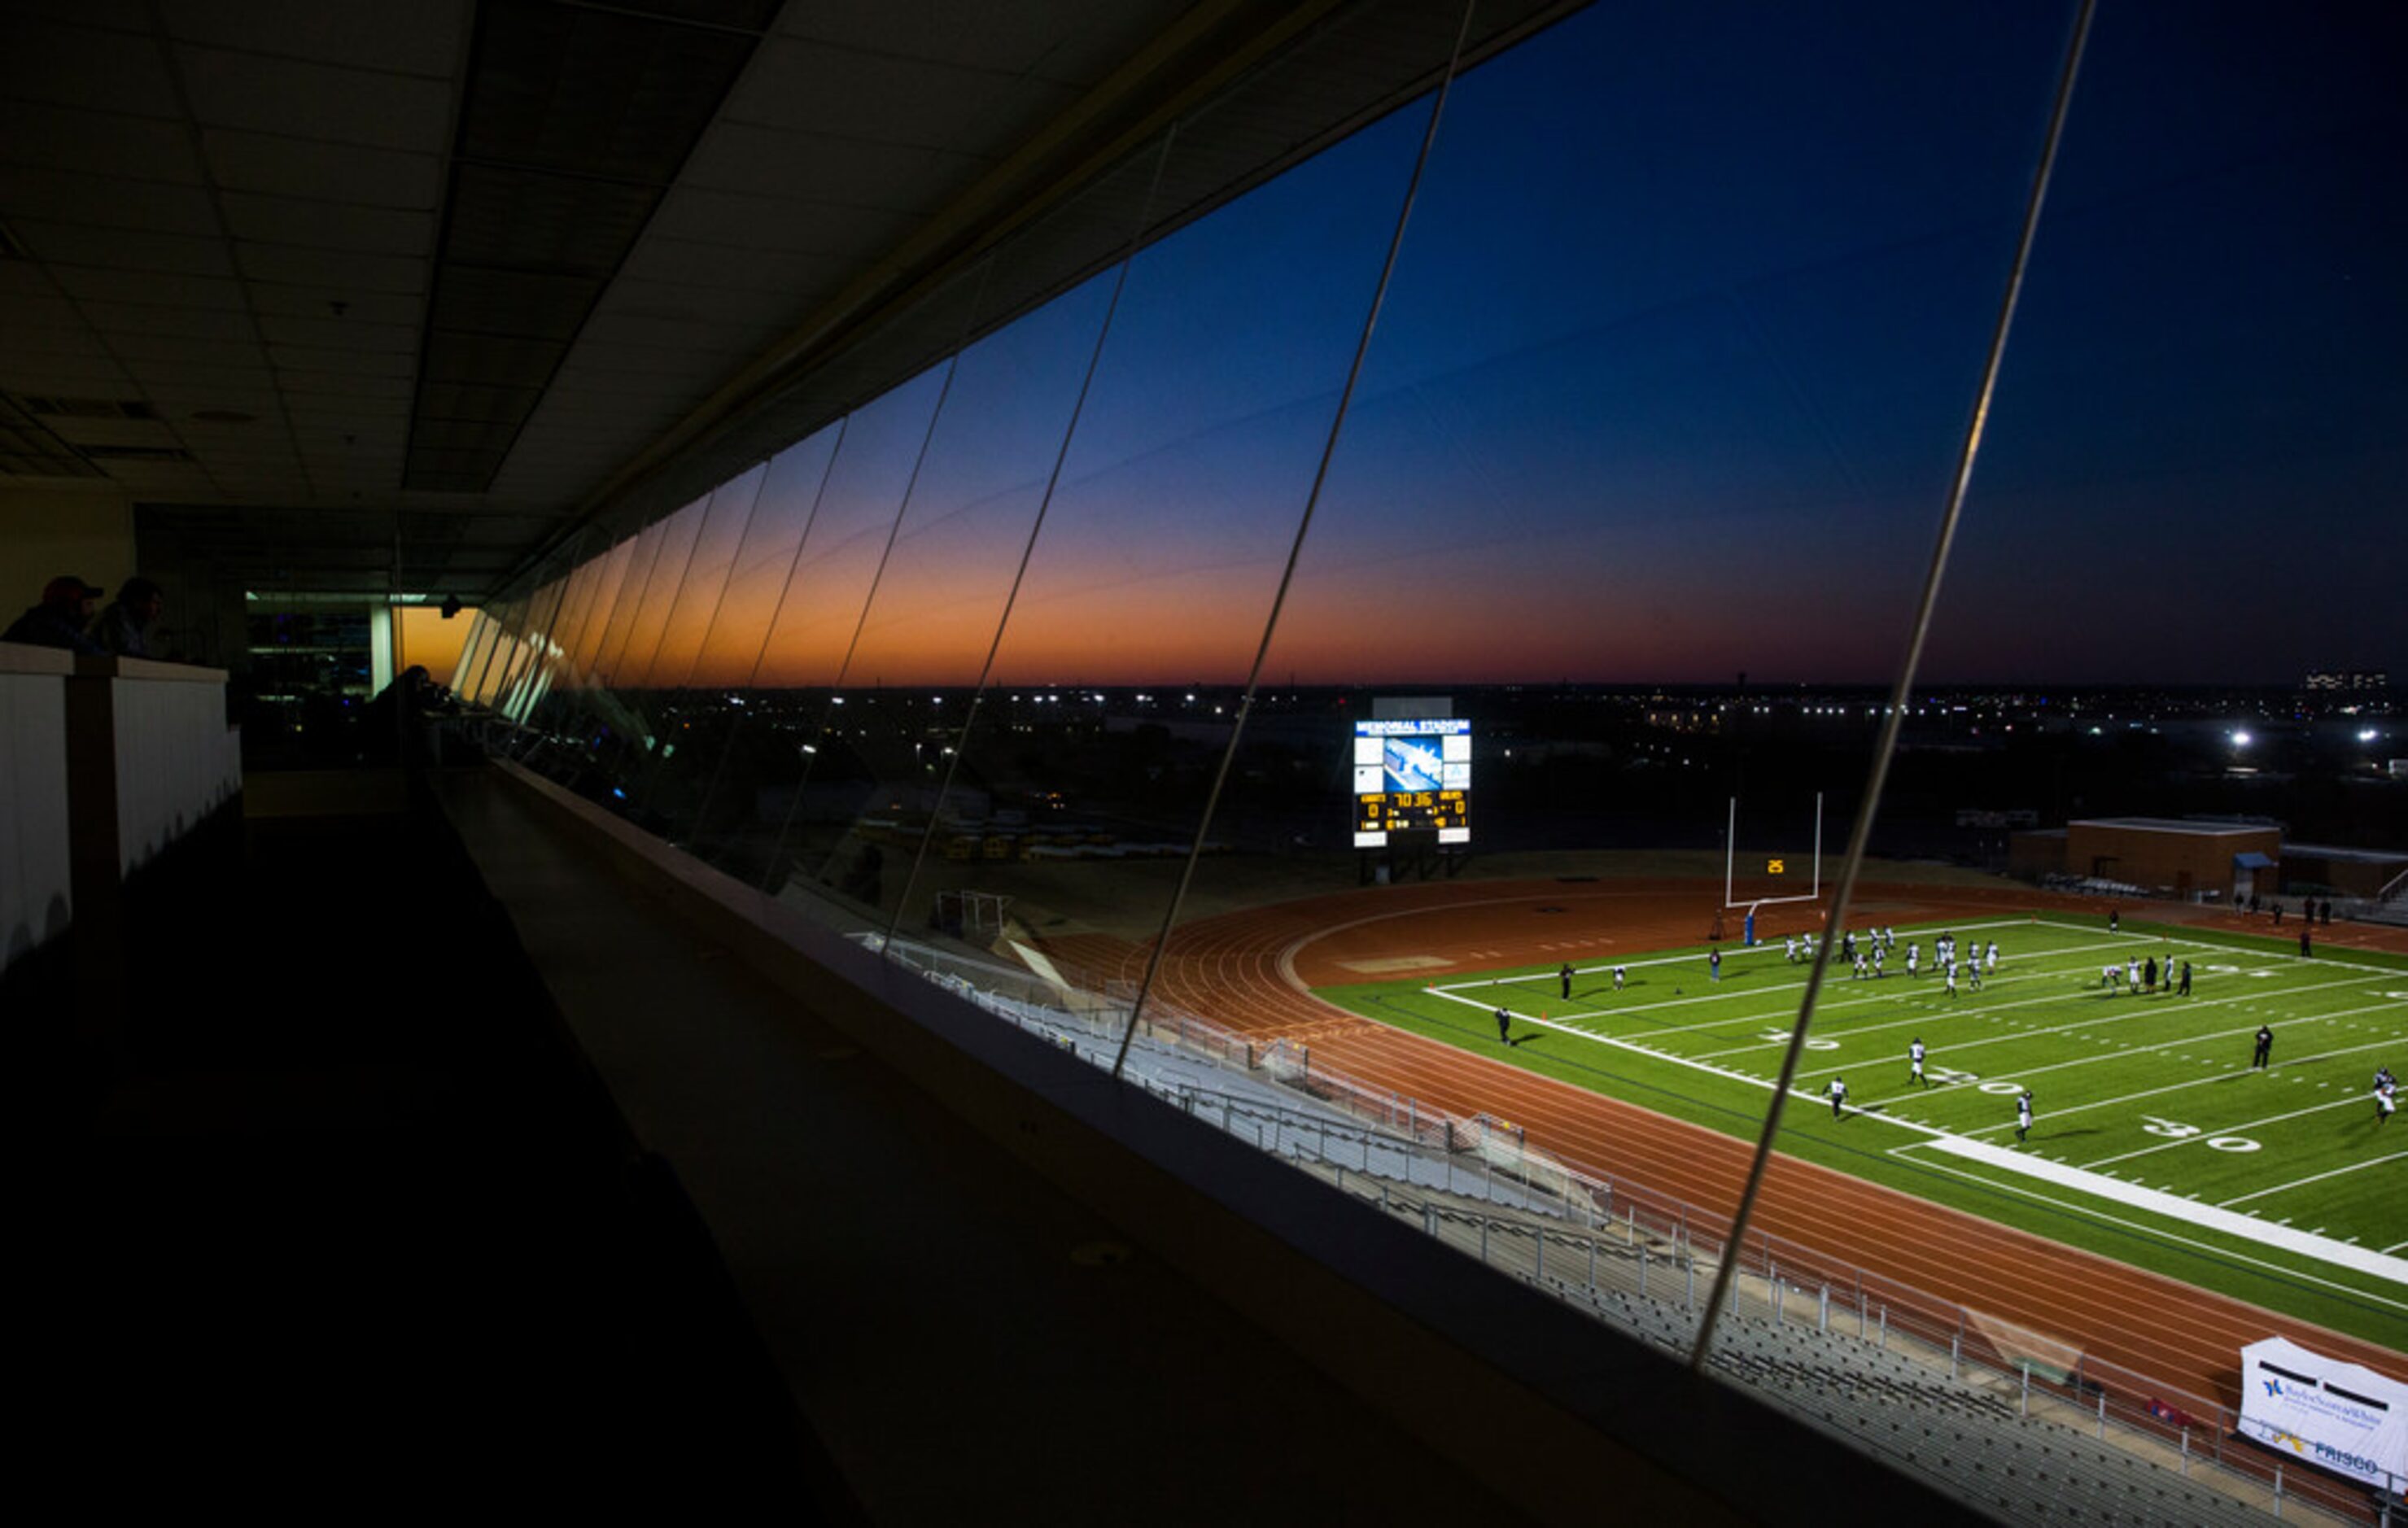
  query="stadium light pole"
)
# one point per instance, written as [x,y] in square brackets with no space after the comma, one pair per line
[1725,1276]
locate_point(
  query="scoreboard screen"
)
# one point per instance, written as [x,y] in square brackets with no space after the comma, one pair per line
[1411,775]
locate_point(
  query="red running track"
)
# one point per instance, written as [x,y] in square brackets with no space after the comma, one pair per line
[1249,971]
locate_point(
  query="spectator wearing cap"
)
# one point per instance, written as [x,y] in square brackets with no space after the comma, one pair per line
[60,619]
[123,628]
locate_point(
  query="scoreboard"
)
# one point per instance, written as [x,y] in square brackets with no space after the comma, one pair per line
[1412,775]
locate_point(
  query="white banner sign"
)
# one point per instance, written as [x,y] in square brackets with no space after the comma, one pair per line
[2343,1417]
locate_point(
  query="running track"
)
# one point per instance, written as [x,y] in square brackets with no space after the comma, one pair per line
[1249,971]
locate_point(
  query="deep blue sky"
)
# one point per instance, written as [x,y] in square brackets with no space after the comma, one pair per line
[1679,350]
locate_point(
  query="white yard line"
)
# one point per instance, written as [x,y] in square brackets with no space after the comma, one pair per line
[2209,1216]
[2227,1130]
[2354,1167]
[2093,1212]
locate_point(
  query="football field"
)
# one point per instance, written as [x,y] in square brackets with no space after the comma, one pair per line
[2154,1137]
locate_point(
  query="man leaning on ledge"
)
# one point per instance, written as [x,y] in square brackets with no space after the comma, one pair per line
[61,620]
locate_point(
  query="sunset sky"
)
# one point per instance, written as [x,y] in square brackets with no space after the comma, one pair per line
[1677,360]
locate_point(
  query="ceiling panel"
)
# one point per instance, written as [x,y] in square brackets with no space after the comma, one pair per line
[296,266]
[105,201]
[328,172]
[327,330]
[348,105]
[46,58]
[122,249]
[748,221]
[840,173]
[96,143]
[860,95]
[482,300]
[1074,41]
[376,307]
[150,319]
[501,216]
[423,36]
[138,350]
[297,361]
[296,220]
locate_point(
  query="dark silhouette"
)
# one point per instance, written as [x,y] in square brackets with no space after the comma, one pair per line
[124,627]
[60,620]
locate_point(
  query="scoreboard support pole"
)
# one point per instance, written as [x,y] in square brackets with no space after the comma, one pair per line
[1422,857]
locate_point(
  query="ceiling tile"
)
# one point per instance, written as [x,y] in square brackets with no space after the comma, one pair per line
[501,216]
[105,201]
[349,334]
[49,60]
[122,248]
[744,221]
[193,376]
[149,287]
[22,373]
[844,173]
[683,336]
[423,36]
[746,308]
[333,172]
[115,15]
[295,265]
[344,384]
[321,302]
[192,322]
[301,360]
[318,101]
[1074,41]
[482,358]
[798,275]
[474,300]
[80,347]
[133,349]
[371,230]
[42,309]
[856,94]
[98,143]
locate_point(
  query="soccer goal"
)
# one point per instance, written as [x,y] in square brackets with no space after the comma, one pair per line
[1779,862]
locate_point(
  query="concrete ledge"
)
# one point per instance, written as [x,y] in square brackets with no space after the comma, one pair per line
[1551,1410]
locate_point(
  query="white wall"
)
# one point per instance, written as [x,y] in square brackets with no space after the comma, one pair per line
[35,903]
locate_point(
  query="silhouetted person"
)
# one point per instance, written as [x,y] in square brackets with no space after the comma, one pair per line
[398,725]
[2324,913]
[60,620]
[1567,975]
[124,627]
[2305,950]
[2265,1049]
[1504,1026]
[2186,979]
[2114,920]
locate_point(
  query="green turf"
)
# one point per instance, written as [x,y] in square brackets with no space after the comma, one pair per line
[2150,1089]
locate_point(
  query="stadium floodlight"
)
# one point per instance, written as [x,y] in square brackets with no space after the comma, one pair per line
[2241,738]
